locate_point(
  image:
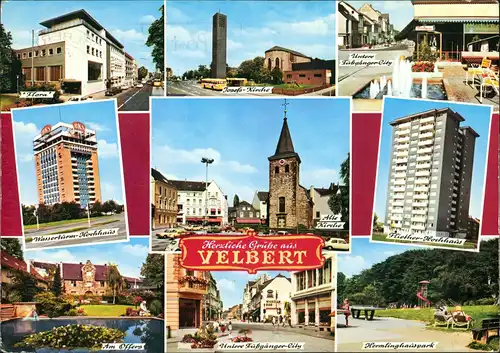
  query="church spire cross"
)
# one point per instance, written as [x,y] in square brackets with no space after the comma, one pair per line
[285,105]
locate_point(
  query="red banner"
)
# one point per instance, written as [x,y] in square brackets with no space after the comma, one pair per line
[251,253]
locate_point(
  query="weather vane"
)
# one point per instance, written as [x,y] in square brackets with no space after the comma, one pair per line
[284,105]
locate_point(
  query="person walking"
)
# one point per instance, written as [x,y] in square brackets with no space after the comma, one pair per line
[230,328]
[347,311]
[273,320]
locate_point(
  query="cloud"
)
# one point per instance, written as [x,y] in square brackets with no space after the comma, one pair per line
[20,128]
[25,158]
[21,38]
[130,34]
[135,250]
[231,45]
[147,19]
[239,168]
[351,265]
[319,177]
[323,26]
[108,191]
[226,285]
[107,150]
[97,127]
[62,255]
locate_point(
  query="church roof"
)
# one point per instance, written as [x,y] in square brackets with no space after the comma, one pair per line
[284,149]
[73,272]
[262,195]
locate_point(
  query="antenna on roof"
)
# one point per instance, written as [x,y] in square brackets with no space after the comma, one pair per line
[284,105]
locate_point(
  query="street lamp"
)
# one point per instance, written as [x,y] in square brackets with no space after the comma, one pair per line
[206,161]
[276,302]
[17,82]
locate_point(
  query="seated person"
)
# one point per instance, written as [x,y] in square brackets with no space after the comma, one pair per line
[143,310]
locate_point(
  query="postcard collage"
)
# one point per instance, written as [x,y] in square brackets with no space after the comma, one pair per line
[222,175]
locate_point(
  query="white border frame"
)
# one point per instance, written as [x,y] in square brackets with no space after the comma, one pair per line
[443,104]
[333,98]
[92,240]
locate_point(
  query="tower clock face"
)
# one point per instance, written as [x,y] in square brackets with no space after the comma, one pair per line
[281,162]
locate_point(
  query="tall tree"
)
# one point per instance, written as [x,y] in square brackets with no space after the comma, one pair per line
[142,72]
[12,247]
[156,40]
[153,269]
[115,280]
[339,202]
[10,66]
[57,282]
[236,200]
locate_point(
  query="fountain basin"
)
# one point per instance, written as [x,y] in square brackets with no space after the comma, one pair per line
[435,90]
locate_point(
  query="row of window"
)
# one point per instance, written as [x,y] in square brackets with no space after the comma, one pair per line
[277,169]
[39,53]
[44,73]
[94,37]
[94,52]
[312,278]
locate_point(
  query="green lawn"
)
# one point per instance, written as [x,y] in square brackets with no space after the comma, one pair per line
[76,229]
[105,309]
[61,223]
[383,237]
[478,312]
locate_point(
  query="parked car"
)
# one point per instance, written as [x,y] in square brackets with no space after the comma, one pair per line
[282,232]
[113,90]
[336,244]
[157,83]
[80,99]
[139,85]
[168,234]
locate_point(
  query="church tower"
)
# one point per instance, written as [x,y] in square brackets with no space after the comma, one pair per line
[289,204]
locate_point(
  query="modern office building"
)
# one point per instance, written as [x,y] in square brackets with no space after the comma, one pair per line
[219,45]
[430,175]
[131,73]
[75,53]
[67,168]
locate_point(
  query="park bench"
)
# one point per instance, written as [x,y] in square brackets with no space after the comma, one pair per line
[487,325]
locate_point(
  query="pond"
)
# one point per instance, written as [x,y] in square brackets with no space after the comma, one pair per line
[148,331]
[435,91]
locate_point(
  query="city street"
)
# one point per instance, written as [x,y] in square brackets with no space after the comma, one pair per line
[115,221]
[193,88]
[137,99]
[353,78]
[262,333]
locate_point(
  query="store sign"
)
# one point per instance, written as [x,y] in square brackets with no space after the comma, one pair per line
[481,28]
[252,253]
[424,28]
[79,126]
[46,129]
[36,94]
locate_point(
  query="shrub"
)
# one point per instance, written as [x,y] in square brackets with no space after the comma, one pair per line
[51,305]
[15,296]
[73,336]
[486,301]
[137,300]
[188,339]
[423,66]
[156,307]
[131,312]
[75,312]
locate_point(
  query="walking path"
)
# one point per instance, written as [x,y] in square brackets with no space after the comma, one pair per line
[351,339]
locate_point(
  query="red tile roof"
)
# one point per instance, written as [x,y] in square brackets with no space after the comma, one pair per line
[73,272]
[16,264]
[132,279]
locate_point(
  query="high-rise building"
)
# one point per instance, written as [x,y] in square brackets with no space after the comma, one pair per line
[430,174]
[219,45]
[66,163]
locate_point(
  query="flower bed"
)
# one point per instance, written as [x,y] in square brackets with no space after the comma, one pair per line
[423,66]
[73,336]
[242,339]
[201,339]
[192,279]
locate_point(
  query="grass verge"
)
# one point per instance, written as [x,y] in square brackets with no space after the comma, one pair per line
[383,237]
[105,309]
[61,223]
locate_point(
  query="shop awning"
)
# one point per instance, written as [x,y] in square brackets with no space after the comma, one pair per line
[248,220]
[194,219]
[214,220]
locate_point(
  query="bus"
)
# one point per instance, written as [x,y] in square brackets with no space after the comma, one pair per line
[236,82]
[217,84]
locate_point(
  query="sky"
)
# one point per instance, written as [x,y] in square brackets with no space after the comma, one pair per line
[476,116]
[97,116]
[252,28]
[128,256]
[127,21]
[400,11]
[240,134]
[232,284]
[365,254]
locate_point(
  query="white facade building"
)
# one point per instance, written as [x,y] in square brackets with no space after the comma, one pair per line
[259,203]
[274,294]
[195,201]
[313,296]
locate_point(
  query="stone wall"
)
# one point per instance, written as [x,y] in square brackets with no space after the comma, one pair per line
[82,289]
[285,60]
[283,185]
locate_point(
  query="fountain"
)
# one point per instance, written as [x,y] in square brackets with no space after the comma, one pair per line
[424,88]
[401,85]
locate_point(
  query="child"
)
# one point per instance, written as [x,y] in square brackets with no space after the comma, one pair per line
[347,311]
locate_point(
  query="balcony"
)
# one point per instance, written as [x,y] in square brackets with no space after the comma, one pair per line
[398,203]
[419,212]
[396,217]
[424,158]
[425,150]
[401,168]
[421,188]
[420,219]
[418,227]
[401,153]
[399,196]
[400,182]
[426,135]
[428,142]
[397,210]
[400,175]
[426,127]
[420,204]
[191,284]
[399,189]
[402,147]
[427,120]
[424,173]
[404,126]
[423,166]
[403,139]
[421,196]
[421,181]
[402,160]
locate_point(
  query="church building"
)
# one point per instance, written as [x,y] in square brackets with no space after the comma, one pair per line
[290,204]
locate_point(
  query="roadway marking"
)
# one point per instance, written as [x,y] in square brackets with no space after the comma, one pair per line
[131,97]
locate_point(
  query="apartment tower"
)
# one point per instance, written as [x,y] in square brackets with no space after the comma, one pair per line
[66,164]
[430,174]
[219,45]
